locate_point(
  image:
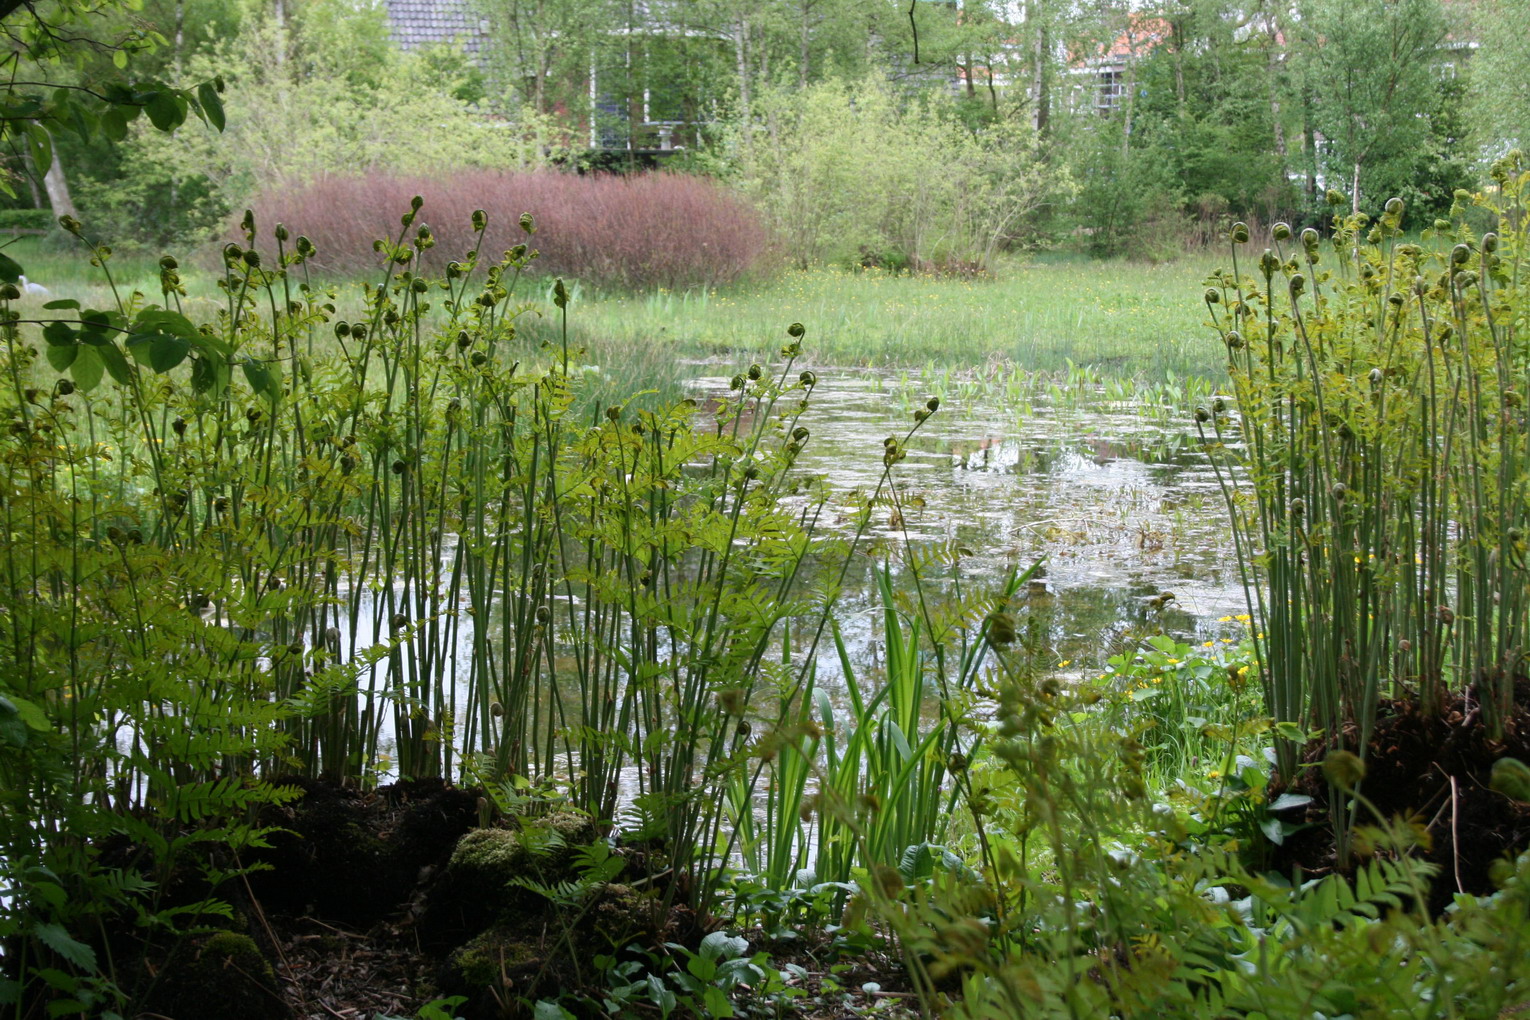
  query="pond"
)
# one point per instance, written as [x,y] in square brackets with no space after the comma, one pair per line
[1113,495]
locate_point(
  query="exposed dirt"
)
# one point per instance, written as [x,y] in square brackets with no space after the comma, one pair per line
[360,910]
[1433,770]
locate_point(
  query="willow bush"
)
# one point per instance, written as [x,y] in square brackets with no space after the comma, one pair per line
[1378,409]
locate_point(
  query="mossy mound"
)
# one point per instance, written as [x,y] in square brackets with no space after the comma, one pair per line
[221,975]
[537,953]
[488,874]
[354,856]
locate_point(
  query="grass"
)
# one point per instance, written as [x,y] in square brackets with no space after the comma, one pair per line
[1122,318]
[1125,318]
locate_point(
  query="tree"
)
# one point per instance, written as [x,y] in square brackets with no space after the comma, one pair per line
[57,84]
[1371,68]
[1499,75]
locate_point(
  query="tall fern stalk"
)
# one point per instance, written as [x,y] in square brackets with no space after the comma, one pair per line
[284,542]
[1379,414]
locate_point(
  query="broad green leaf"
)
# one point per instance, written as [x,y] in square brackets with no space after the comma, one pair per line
[61,357]
[166,352]
[261,380]
[1511,777]
[212,107]
[86,124]
[10,269]
[162,320]
[1290,731]
[1290,801]
[116,364]
[166,110]
[87,368]
[160,351]
[30,713]
[717,1004]
[13,731]
[62,303]
[719,945]
[114,123]
[40,147]
[204,376]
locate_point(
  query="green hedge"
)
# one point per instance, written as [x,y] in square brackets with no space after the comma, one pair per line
[26,219]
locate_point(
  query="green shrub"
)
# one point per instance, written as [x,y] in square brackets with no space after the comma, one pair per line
[26,219]
[844,168]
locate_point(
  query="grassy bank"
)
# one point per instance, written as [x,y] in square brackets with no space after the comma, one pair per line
[1123,318]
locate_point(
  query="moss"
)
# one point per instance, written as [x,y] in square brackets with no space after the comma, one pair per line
[497,960]
[573,828]
[495,854]
[224,975]
[621,915]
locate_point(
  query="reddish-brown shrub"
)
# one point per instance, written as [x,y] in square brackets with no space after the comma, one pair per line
[649,230]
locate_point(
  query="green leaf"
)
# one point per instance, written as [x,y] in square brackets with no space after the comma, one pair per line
[30,714]
[114,123]
[57,939]
[40,147]
[116,365]
[62,303]
[717,1004]
[212,107]
[61,357]
[162,320]
[166,352]
[10,269]
[719,945]
[1254,777]
[87,368]
[1290,731]
[261,380]
[1290,801]
[59,333]
[12,730]
[166,110]
[160,351]
[1511,777]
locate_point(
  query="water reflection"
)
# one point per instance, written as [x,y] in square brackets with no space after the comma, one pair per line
[1116,496]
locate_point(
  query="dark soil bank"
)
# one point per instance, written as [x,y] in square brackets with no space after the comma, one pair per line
[1433,770]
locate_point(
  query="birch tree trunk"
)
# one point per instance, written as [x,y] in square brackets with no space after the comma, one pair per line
[57,187]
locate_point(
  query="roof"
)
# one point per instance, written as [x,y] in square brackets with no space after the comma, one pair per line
[419,23]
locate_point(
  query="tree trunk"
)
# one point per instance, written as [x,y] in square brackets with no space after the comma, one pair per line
[1043,80]
[58,189]
[29,171]
[804,53]
[281,33]
[741,53]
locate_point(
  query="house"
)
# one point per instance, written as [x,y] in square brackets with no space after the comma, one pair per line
[420,24]
[1102,78]
[636,90]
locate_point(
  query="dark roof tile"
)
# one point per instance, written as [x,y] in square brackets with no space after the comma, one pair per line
[418,23]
